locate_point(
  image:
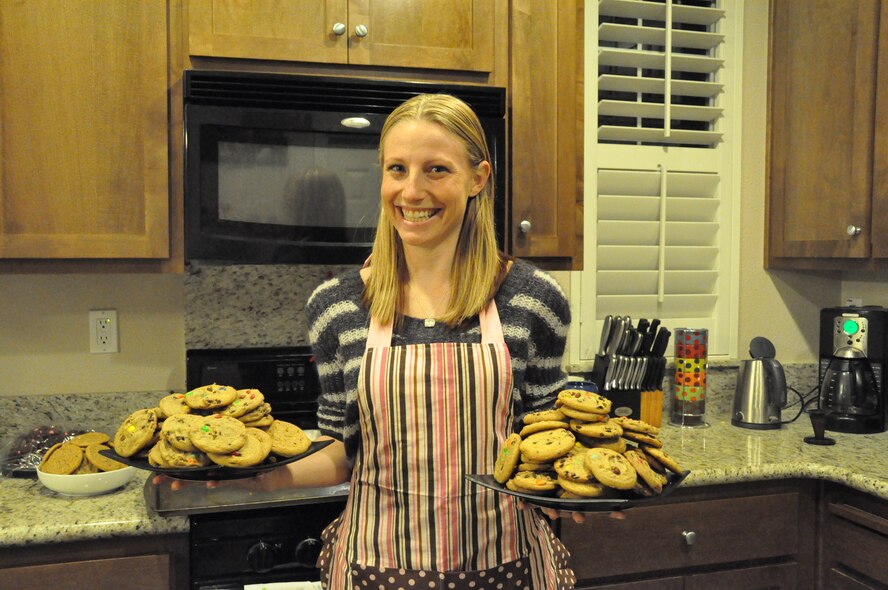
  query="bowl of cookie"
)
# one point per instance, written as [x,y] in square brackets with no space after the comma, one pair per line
[76,467]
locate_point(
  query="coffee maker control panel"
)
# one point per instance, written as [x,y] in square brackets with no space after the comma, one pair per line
[850,331]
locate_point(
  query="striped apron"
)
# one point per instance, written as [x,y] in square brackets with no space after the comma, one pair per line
[429,414]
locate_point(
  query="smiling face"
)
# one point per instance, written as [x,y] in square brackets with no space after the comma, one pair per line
[427,180]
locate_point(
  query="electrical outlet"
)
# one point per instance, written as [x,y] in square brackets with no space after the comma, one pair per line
[103,331]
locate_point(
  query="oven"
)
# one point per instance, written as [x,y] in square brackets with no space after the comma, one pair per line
[286,376]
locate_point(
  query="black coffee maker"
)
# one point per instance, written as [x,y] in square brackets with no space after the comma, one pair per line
[853,342]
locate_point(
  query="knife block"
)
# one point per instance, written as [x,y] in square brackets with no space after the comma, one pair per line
[637,404]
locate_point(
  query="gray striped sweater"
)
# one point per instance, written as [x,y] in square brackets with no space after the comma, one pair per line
[533,310]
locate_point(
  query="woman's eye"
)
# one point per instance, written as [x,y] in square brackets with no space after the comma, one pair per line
[395,168]
[439,169]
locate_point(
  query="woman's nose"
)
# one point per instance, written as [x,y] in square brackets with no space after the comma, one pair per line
[414,185]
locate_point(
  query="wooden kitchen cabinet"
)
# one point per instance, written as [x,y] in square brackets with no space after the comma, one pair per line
[854,540]
[546,92]
[744,536]
[84,130]
[828,119]
[451,35]
[149,563]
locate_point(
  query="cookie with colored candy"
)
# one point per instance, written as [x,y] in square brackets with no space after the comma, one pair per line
[178,459]
[173,404]
[246,401]
[210,397]
[607,429]
[664,458]
[507,459]
[254,451]
[611,468]
[636,425]
[547,445]
[572,467]
[534,481]
[541,426]
[644,471]
[137,430]
[218,434]
[534,467]
[584,401]
[581,489]
[264,409]
[262,422]
[646,439]
[583,416]
[177,431]
[544,416]
[287,439]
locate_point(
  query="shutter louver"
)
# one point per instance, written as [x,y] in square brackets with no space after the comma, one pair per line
[656,63]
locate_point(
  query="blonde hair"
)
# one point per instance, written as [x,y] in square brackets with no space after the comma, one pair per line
[476,251]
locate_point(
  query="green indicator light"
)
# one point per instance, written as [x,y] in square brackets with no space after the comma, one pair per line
[850,327]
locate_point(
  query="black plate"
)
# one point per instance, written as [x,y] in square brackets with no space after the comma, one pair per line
[215,472]
[588,505]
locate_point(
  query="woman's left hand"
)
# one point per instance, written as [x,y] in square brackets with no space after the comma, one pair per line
[577,517]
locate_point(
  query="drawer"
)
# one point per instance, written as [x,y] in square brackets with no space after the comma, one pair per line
[684,535]
[857,540]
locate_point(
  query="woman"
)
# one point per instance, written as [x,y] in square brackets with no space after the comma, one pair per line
[427,357]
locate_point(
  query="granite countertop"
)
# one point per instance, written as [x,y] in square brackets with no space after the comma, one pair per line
[31,514]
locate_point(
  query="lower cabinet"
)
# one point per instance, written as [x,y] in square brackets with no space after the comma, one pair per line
[148,563]
[853,540]
[749,536]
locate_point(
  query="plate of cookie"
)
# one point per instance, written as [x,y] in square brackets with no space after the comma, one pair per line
[577,457]
[213,432]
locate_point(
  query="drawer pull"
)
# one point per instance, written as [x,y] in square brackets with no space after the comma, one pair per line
[690,537]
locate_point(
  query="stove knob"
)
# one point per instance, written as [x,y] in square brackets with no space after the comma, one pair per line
[307,552]
[261,557]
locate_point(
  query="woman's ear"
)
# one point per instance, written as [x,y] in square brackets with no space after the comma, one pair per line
[479,179]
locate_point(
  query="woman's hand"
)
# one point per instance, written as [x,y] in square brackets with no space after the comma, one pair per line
[577,517]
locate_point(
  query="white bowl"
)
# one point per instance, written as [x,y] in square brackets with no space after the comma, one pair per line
[87,484]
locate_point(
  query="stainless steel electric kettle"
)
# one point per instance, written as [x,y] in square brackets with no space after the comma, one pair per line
[761,389]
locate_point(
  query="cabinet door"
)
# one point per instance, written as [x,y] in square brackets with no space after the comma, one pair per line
[446,34]
[291,30]
[823,81]
[880,153]
[546,131]
[152,572]
[770,577]
[83,119]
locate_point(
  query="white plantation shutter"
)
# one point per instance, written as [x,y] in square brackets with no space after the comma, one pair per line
[661,202]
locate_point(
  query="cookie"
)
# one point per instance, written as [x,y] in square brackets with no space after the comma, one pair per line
[246,401]
[547,445]
[210,397]
[636,425]
[582,489]
[544,416]
[218,434]
[534,467]
[287,439]
[86,467]
[572,467]
[173,404]
[136,432]
[177,431]
[541,426]
[254,451]
[534,481]
[510,485]
[584,401]
[507,459]
[102,462]
[62,459]
[262,422]
[646,439]
[88,438]
[611,468]
[584,416]
[178,459]
[644,471]
[263,410]
[664,458]
[653,462]
[607,429]
[617,443]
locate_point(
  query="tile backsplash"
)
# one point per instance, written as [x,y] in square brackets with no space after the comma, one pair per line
[249,305]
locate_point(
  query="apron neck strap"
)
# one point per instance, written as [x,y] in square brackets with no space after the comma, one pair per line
[380,336]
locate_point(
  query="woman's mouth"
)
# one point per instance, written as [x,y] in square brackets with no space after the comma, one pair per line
[418,215]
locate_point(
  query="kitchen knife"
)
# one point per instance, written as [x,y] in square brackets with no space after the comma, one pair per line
[655,323]
[661,342]
[642,325]
[605,335]
[646,343]
[616,337]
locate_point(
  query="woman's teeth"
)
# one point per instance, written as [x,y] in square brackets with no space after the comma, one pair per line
[418,214]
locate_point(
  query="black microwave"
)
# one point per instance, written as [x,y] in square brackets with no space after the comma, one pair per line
[283,168]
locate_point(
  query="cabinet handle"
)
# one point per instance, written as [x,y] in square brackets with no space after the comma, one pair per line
[525,227]
[361,31]
[339,29]
[690,537]
[854,230]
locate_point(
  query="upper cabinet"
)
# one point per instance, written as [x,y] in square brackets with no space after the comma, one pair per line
[449,35]
[828,154]
[546,65]
[83,130]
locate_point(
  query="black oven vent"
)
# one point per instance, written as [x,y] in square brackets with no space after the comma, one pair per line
[288,91]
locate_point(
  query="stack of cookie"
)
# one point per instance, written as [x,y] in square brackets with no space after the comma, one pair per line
[213,424]
[79,455]
[576,450]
